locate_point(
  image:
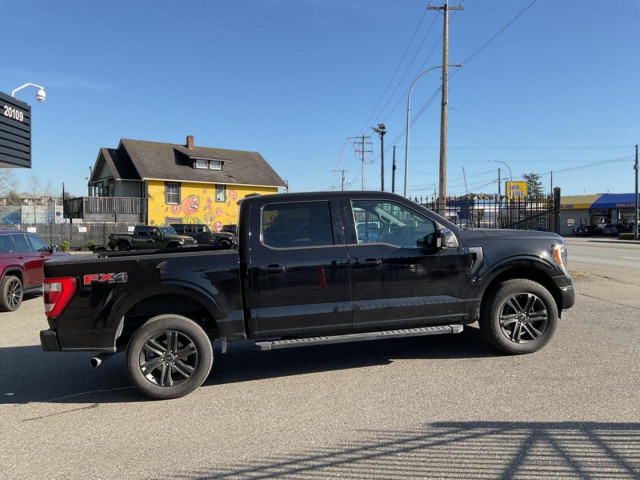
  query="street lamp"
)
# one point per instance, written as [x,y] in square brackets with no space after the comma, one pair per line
[406,141]
[40,96]
[504,163]
[381,130]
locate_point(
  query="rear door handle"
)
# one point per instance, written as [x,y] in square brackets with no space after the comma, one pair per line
[275,268]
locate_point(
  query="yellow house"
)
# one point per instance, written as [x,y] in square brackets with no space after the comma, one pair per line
[163,183]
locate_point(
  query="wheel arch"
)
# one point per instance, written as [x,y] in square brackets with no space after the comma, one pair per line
[526,268]
[15,271]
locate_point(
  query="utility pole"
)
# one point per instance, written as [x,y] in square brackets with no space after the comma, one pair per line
[342,179]
[466,189]
[363,144]
[443,112]
[499,200]
[393,171]
[635,235]
[381,130]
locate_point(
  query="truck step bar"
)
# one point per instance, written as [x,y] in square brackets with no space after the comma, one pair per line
[358,337]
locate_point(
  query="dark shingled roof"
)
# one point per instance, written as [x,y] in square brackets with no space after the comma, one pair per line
[170,161]
[120,164]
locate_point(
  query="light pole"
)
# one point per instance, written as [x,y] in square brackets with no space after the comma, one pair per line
[505,164]
[381,130]
[40,96]
[406,141]
[506,192]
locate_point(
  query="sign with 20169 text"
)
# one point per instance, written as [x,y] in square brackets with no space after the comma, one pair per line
[15,132]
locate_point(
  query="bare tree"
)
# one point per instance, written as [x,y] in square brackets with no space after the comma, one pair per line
[7,180]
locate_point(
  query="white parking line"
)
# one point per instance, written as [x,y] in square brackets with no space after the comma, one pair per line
[632,258]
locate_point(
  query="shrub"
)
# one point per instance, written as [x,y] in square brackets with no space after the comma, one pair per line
[65,246]
[91,245]
[626,236]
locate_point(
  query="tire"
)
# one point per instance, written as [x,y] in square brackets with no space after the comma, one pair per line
[11,293]
[224,244]
[169,374]
[122,245]
[173,245]
[519,317]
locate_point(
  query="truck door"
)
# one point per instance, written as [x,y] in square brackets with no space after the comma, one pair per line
[298,268]
[400,277]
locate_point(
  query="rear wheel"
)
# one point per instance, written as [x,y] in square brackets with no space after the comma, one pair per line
[169,356]
[519,317]
[11,293]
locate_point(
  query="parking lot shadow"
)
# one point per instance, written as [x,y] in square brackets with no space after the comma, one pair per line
[459,450]
[31,375]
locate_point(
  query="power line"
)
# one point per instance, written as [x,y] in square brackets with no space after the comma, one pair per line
[404,54]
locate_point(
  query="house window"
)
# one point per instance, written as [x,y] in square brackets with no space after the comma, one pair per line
[171,193]
[215,165]
[221,193]
[571,222]
[202,164]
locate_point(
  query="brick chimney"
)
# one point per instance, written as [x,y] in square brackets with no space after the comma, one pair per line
[190,141]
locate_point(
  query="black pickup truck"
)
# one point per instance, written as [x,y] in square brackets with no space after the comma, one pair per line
[149,237]
[303,276]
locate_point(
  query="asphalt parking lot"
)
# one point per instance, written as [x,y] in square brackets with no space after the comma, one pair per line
[445,407]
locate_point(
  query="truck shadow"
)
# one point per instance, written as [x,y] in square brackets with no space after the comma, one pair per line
[458,450]
[30,375]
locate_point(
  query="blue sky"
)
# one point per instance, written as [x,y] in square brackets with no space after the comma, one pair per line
[293,79]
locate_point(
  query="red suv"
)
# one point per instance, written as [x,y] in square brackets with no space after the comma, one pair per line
[21,258]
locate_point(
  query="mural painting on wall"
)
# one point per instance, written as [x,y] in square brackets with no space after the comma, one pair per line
[204,208]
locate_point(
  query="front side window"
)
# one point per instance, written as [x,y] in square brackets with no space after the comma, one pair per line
[388,222]
[21,244]
[171,193]
[37,244]
[302,224]
[166,231]
[221,193]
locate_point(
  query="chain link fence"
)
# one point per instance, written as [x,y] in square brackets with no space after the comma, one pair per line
[77,234]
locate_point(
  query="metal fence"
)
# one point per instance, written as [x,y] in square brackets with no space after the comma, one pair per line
[488,211]
[77,234]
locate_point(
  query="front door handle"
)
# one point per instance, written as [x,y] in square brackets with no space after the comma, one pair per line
[369,262]
[275,268]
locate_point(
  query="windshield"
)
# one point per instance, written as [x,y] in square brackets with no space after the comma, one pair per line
[168,231]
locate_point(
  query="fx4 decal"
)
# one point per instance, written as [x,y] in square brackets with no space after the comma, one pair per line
[121,277]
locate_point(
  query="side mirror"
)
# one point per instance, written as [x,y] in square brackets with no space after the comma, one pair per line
[446,239]
[53,248]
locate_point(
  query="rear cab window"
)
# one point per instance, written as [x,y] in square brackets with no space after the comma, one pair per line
[297,224]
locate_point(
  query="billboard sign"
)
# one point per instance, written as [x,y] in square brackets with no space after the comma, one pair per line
[516,190]
[15,132]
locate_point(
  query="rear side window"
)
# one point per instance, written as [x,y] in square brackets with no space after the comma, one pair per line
[302,224]
[6,244]
[21,244]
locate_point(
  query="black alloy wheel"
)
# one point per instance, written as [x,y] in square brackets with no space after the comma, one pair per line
[168,359]
[169,356]
[523,318]
[518,316]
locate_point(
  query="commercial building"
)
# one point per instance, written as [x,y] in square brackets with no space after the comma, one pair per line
[163,183]
[585,210]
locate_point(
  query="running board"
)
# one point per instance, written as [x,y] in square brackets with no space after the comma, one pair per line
[358,337]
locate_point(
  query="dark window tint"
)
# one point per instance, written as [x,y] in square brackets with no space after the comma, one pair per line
[304,224]
[21,244]
[200,229]
[143,231]
[389,222]
[38,244]
[6,244]
[178,228]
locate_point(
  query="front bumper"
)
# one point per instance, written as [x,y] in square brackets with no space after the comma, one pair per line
[49,341]
[568,296]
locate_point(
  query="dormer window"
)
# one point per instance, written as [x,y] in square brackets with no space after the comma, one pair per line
[215,165]
[208,164]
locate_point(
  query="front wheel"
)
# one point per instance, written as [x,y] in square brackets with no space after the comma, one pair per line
[168,357]
[519,317]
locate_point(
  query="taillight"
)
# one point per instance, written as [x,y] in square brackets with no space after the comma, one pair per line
[57,292]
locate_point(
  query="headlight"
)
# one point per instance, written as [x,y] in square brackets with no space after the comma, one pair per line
[559,254]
